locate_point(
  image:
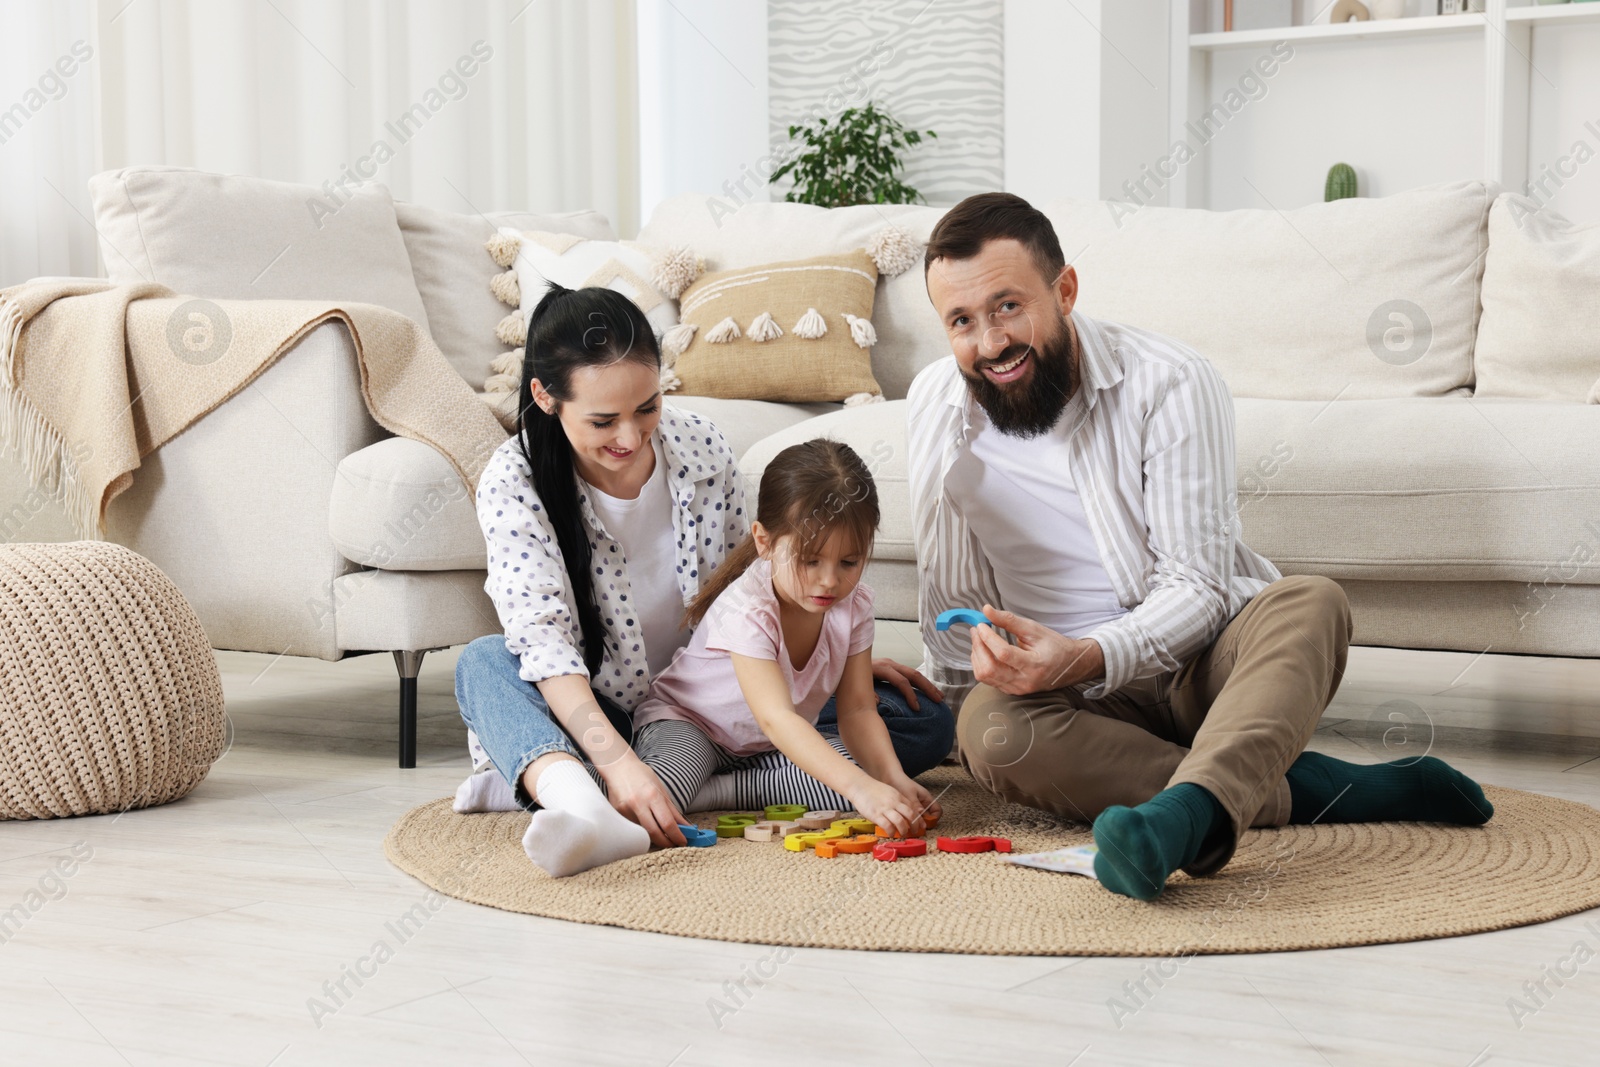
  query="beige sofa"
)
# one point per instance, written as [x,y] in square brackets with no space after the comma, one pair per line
[1411,376]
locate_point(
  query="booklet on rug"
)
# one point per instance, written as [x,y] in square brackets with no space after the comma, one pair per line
[1079,859]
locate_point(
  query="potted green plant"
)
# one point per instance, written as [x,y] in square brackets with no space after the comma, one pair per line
[854,158]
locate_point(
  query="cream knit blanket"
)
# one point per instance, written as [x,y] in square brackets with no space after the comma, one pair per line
[95,376]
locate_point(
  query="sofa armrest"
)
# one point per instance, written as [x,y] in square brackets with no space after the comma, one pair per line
[235,509]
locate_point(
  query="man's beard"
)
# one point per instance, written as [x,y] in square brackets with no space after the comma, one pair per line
[1032,406]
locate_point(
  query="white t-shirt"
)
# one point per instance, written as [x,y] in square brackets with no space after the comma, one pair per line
[1018,496]
[643,527]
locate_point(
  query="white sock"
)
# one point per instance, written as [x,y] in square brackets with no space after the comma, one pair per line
[578,828]
[485,790]
[715,795]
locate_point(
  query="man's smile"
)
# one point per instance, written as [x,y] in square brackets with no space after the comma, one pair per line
[1009,371]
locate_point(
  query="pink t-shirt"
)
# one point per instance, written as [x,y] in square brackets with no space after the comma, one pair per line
[700,686]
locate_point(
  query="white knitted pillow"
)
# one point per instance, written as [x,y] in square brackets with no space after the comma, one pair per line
[652,278]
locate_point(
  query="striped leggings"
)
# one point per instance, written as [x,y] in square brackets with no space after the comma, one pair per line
[685,759]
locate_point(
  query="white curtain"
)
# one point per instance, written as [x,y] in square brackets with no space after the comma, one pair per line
[467,105]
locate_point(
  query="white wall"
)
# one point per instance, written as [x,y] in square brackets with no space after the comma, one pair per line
[702,97]
[1135,65]
[1403,113]
[1052,105]
[1086,95]
[1568,57]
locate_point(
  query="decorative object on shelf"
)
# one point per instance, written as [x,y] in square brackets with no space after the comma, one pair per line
[1388,9]
[1349,11]
[1452,7]
[854,158]
[1227,16]
[1476,6]
[1341,183]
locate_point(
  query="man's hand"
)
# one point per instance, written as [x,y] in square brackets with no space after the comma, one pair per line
[904,678]
[1041,659]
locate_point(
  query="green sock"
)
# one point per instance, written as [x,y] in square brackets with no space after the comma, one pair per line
[1139,847]
[1324,789]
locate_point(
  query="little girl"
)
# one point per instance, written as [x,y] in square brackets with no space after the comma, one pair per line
[782,625]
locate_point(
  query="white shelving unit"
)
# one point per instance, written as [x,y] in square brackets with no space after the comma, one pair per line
[1555,13]
[1385,28]
[1502,34]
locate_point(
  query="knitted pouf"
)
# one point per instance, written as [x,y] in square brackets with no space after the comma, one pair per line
[109,693]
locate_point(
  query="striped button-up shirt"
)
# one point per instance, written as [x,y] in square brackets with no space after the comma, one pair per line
[1152,459]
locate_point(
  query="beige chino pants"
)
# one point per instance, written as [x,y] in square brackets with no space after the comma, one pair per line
[1232,720]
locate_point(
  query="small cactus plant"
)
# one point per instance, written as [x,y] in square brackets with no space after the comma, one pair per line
[1341,182]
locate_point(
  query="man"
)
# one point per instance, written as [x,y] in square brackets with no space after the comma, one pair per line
[1076,479]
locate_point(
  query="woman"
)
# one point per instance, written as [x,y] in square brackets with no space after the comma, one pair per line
[602,516]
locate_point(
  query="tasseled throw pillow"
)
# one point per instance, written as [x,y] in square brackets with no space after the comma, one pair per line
[793,332]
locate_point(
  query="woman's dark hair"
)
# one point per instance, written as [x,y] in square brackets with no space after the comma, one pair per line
[808,492]
[568,330]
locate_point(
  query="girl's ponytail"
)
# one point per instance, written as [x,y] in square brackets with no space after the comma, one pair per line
[728,571]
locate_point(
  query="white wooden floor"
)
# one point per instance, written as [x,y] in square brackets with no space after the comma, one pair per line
[207,931]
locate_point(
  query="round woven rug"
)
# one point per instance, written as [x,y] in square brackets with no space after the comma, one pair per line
[1299,887]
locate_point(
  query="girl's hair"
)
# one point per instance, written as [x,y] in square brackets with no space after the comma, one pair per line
[808,492]
[568,330]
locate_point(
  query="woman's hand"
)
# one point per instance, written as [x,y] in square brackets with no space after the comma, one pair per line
[887,806]
[636,791]
[905,679]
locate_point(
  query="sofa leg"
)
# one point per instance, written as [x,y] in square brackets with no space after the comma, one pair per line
[409,664]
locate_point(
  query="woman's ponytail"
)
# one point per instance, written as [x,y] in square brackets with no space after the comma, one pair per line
[569,329]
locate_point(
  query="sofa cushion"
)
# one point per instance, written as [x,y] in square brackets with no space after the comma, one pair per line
[452,271]
[225,236]
[909,334]
[1358,298]
[1452,489]
[1539,336]
[1396,489]
[744,422]
[398,505]
[878,434]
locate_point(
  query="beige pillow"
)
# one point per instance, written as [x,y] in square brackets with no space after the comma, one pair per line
[797,331]
[226,236]
[1539,334]
[453,271]
[910,336]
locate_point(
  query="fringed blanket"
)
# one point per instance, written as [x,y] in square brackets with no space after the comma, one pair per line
[95,376]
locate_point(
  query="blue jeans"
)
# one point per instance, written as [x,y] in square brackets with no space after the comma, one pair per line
[515,726]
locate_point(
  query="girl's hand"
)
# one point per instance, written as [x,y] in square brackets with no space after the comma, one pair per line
[927,806]
[636,791]
[887,806]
